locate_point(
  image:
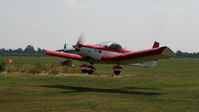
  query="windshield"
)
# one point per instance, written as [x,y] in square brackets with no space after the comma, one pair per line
[111,45]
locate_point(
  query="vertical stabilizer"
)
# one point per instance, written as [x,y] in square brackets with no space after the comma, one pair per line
[156,44]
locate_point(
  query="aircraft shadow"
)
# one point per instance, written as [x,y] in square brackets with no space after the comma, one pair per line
[127,90]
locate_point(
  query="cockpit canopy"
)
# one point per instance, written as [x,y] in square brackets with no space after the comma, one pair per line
[112,46]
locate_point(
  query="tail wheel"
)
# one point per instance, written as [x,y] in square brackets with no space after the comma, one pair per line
[117,69]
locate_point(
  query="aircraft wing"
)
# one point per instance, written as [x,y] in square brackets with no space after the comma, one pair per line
[70,51]
[64,55]
[141,56]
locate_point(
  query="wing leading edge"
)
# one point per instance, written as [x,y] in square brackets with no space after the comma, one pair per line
[141,56]
[65,55]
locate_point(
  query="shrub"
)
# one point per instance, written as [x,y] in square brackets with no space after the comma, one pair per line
[30,69]
[38,68]
[12,68]
[2,67]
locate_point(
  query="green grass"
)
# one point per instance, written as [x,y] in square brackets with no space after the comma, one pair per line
[173,86]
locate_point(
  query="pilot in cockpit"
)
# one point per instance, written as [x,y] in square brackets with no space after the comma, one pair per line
[113,46]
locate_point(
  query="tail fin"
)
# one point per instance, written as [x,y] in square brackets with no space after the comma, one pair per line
[156,44]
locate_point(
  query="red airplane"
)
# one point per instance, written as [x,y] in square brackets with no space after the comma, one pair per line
[113,53]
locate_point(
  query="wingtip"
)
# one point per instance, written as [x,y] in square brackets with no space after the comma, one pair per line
[168,52]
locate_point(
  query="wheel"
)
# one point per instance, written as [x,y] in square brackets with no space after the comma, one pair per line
[84,71]
[90,72]
[117,72]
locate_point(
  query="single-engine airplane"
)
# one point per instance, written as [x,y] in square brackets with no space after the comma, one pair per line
[113,53]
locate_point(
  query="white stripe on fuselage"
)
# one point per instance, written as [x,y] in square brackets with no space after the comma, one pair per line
[95,53]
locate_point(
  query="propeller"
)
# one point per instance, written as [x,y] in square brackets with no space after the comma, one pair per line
[65,46]
[62,50]
[76,46]
[79,41]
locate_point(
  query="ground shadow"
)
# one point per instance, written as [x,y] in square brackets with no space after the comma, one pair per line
[127,90]
[141,88]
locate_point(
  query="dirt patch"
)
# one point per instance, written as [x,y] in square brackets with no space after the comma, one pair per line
[12,74]
[15,74]
[95,75]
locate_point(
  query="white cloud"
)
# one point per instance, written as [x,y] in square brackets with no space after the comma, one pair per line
[77,4]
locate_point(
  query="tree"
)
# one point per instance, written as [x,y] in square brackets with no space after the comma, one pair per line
[18,52]
[40,52]
[2,51]
[180,54]
[29,50]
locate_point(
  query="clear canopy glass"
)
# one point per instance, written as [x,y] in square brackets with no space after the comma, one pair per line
[111,45]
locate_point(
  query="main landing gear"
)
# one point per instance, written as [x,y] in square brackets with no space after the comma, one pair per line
[117,69]
[90,69]
[87,68]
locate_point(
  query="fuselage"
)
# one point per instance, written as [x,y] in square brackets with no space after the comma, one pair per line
[96,52]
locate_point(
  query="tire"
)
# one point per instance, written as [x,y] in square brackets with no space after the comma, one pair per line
[84,71]
[90,72]
[117,72]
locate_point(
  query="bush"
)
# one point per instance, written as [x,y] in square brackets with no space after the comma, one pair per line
[2,67]
[52,69]
[12,68]
[30,69]
[38,68]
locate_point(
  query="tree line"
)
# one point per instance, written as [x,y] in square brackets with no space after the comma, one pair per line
[180,54]
[28,51]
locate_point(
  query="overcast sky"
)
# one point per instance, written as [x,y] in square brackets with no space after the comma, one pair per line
[136,24]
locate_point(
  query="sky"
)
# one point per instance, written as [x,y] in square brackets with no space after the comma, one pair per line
[135,24]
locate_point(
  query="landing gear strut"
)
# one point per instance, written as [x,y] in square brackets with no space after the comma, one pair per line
[117,69]
[87,68]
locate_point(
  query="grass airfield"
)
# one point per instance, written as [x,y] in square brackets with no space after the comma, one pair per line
[172,86]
